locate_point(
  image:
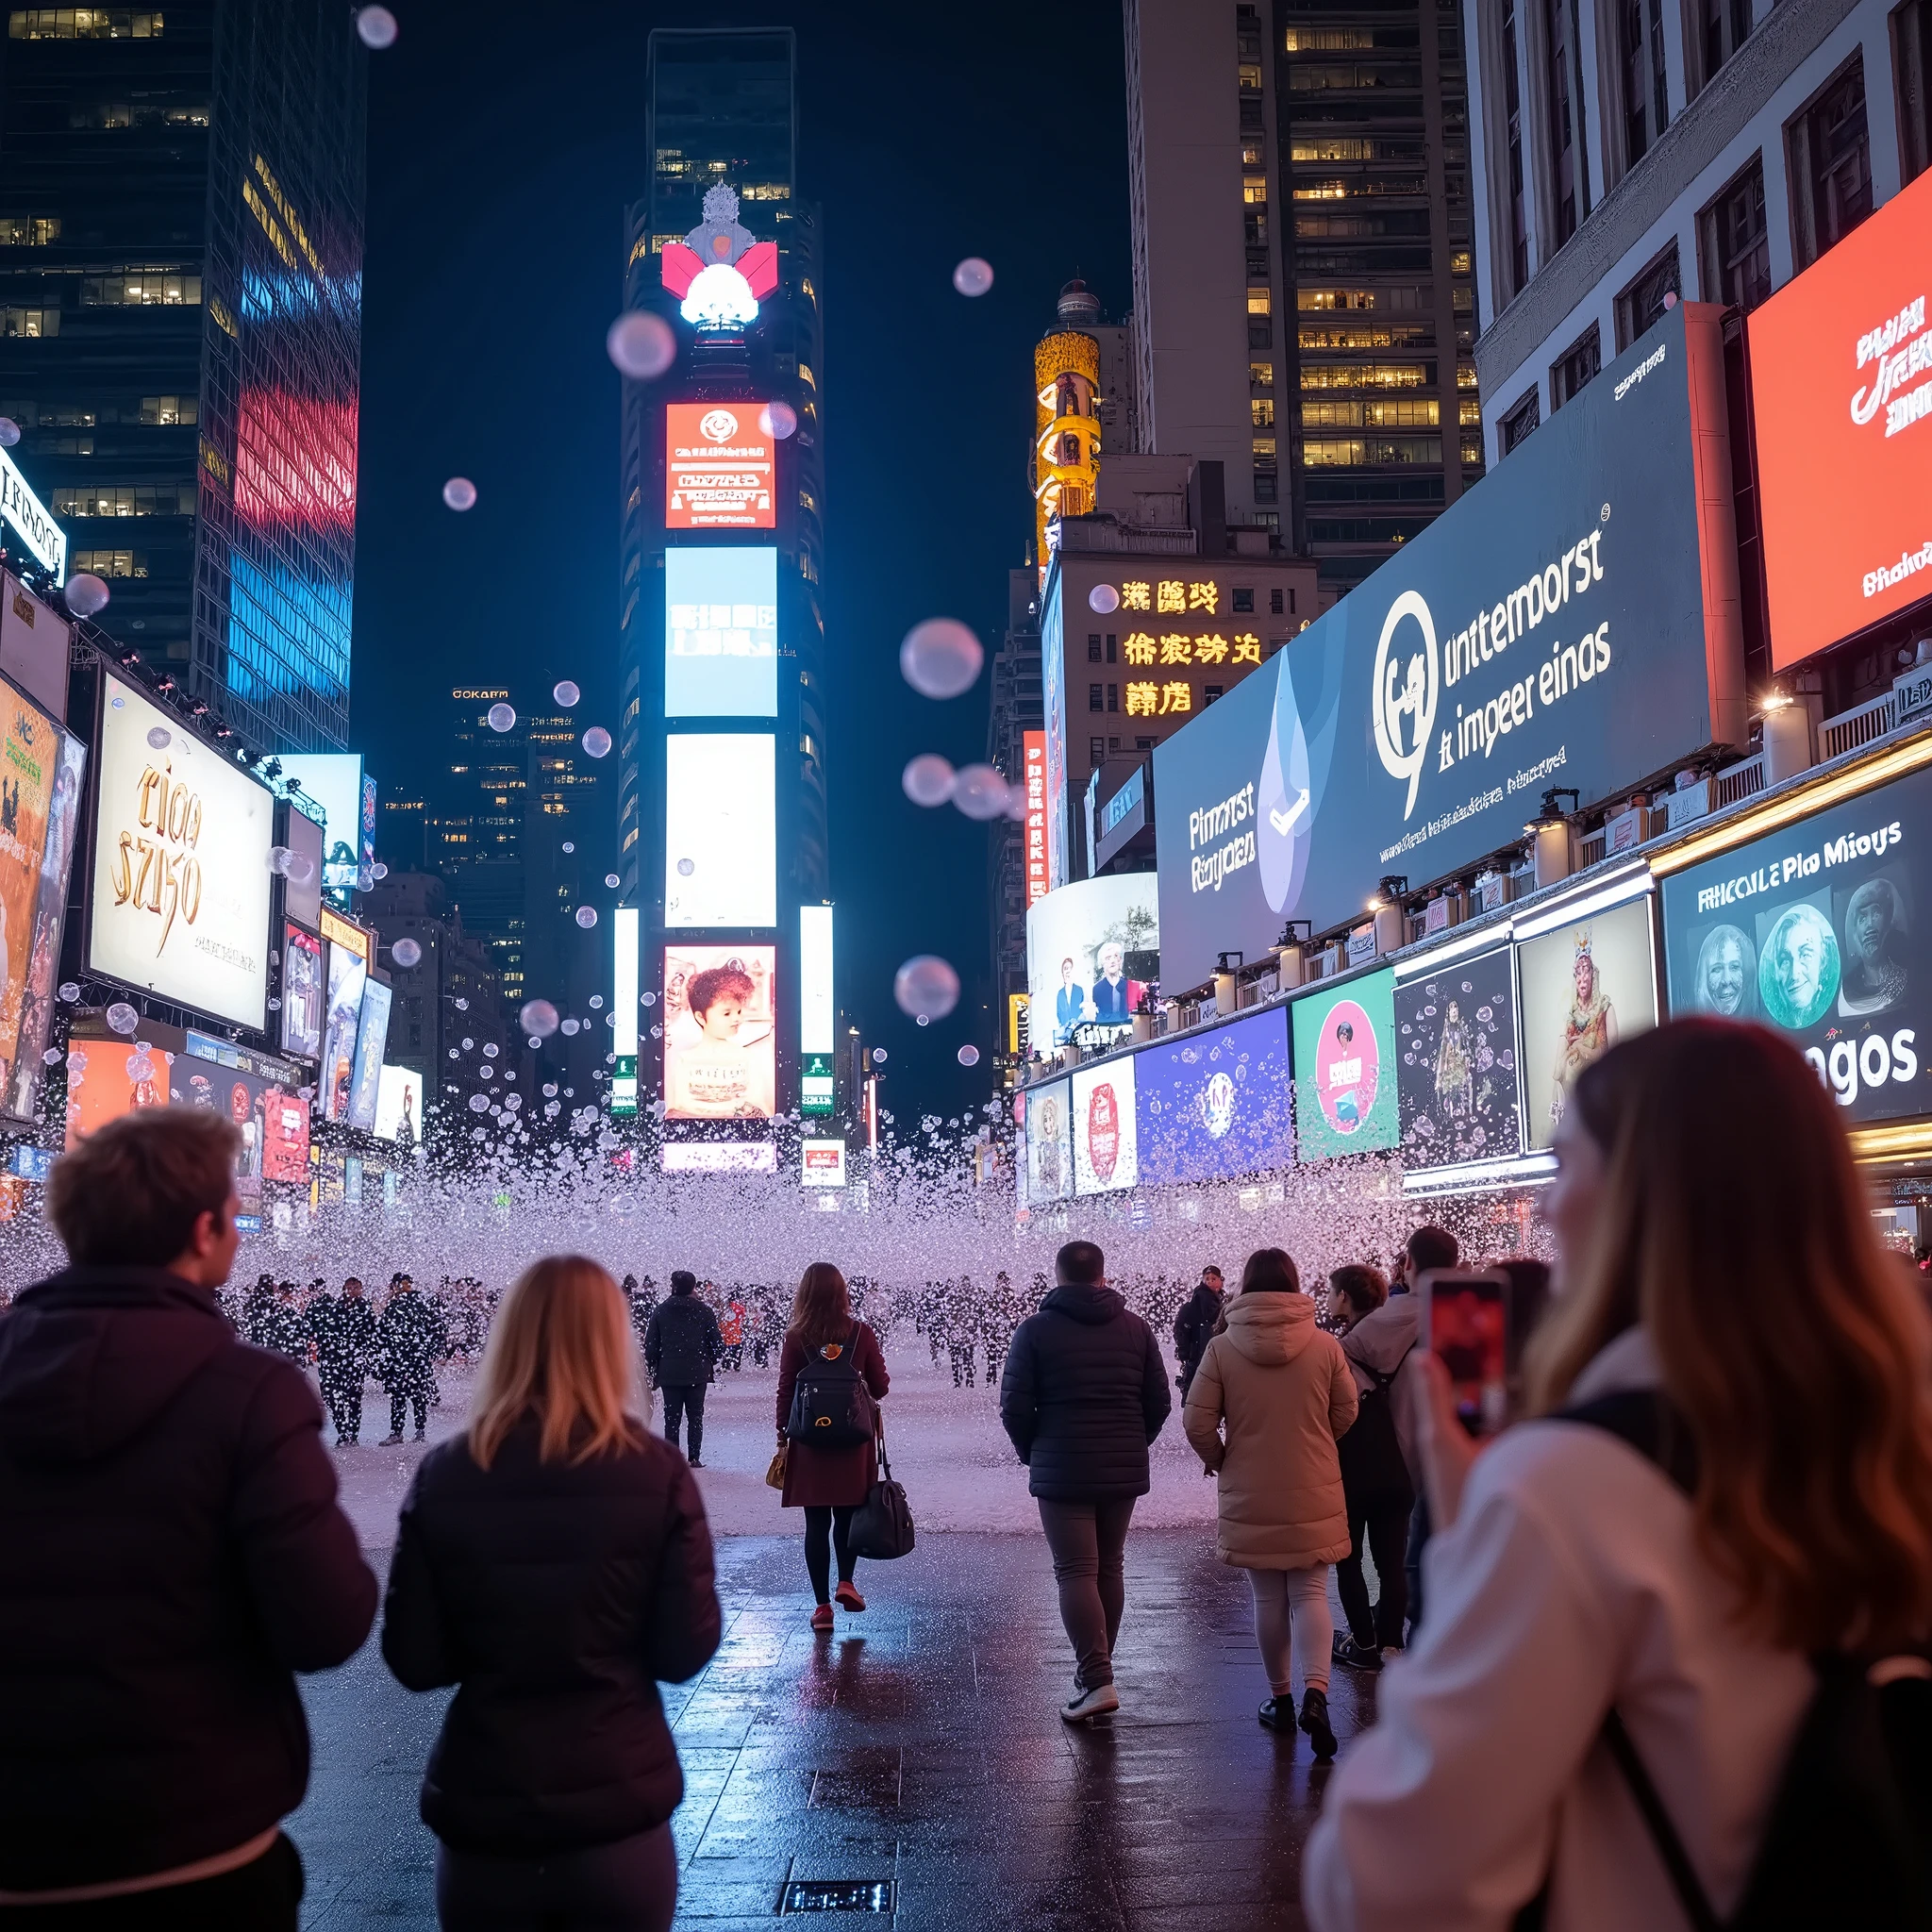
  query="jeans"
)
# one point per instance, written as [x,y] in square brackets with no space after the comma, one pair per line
[1089,1542]
[686,1399]
[1385,1520]
[827,1527]
[1291,1614]
[264,1895]
[399,1403]
[630,1886]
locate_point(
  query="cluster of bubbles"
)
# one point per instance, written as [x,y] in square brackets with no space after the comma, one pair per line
[979,791]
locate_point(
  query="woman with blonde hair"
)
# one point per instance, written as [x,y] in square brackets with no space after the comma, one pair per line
[554,1564]
[1722,1511]
[831,1375]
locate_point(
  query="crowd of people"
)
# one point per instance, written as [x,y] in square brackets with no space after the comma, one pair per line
[1655,1637]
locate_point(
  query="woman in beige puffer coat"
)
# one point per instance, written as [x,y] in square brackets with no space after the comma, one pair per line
[1265,1409]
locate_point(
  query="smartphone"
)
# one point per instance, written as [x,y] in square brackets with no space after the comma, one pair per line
[1467,1326]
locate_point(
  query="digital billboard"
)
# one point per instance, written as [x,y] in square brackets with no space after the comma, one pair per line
[1218,1105]
[1104,1128]
[1077,942]
[718,468]
[371,1037]
[399,1107]
[720,1042]
[1586,984]
[1819,929]
[720,849]
[305,994]
[1344,1069]
[821,1163]
[720,1157]
[308,841]
[1842,402]
[721,632]
[348,975]
[1571,621]
[1049,1142]
[333,780]
[33,645]
[1456,1062]
[181,865]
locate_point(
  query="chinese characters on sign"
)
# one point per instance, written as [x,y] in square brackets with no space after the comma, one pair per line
[1140,647]
[1172,594]
[1151,700]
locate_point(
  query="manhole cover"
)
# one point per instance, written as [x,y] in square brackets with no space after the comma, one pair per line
[839,1896]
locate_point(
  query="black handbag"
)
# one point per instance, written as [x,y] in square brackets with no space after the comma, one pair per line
[882,1524]
[831,1407]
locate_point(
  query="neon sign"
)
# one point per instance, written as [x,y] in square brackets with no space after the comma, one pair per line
[718,270]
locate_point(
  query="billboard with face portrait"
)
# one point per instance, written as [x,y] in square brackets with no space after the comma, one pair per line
[720,1040]
[1049,1142]
[1217,1105]
[1455,1071]
[1586,984]
[1345,1068]
[348,977]
[1817,930]
[1078,943]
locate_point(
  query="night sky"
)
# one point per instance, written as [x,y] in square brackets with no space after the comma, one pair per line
[504,142]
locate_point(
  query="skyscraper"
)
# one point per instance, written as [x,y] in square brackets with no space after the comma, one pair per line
[181,201]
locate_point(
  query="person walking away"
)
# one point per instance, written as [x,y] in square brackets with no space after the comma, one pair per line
[258,1308]
[171,1554]
[407,1339]
[731,1334]
[1710,1544]
[830,1350]
[681,1346]
[1377,1483]
[963,1325]
[1194,1324]
[1083,1395]
[552,1562]
[342,1329]
[1269,1399]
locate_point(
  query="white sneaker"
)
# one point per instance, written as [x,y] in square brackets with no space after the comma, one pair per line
[1085,1704]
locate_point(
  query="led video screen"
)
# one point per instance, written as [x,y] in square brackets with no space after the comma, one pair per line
[1344,1069]
[1217,1106]
[718,468]
[720,1157]
[719,1043]
[1049,1142]
[399,1106]
[1456,1071]
[333,780]
[720,858]
[348,975]
[1106,1137]
[1078,939]
[721,632]
[371,1037]
[303,993]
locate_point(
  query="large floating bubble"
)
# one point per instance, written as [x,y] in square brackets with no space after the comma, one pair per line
[685,867]
[278,857]
[376,26]
[10,432]
[122,1018]
[647,999]
[974,277]
[597,742]
[159,738]
[550,1091]
[587,917]
[969,1056]
[299,870]
[641,344]
[86,593]
[406,953]
[566,694]
[502,717]
[779,419]
[926,987]
[940,658]
[539,1017]
[511,1102]
[927,779]
[459,493]
[69,991]
[479,1103]
[1103,598]
[378,871]
[980,792]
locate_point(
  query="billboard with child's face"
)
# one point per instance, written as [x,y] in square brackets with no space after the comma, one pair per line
[719,1043]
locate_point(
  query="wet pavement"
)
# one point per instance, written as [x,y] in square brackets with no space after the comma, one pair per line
[918,1747]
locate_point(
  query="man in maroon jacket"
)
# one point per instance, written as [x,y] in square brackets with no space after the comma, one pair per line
[171,1554]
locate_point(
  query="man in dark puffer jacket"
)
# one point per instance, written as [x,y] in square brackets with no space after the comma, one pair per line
[1084,1392]
[170,1552]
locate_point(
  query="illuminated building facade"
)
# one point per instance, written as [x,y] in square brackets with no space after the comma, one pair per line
[181,206]
[720,641]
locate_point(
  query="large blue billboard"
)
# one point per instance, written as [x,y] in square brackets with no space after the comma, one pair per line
[1216,1105]
[1572,621]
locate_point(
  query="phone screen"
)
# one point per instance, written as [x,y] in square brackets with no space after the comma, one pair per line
[1467,1318]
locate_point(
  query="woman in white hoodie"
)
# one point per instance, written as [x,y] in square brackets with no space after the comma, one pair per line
[1720,1277]
[1264,1409]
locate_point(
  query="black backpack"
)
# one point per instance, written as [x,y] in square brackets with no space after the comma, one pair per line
[831,1407]
[1849,1837]
[1372,1465]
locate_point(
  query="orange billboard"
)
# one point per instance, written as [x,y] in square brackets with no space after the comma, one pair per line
[1841,393]
[718,468]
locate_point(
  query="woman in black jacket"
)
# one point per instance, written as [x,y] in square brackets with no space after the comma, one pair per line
[554,1564]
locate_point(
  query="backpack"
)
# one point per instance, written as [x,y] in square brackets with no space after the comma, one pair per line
[1848,1839]
[1372,1465]
[831,1407]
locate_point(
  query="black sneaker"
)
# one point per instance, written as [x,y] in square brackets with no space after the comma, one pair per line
[1314,1721]
[1357,1657]
[1278,1714]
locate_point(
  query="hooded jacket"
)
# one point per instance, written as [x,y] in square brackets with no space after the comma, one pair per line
[1084,1393]
[171,1552]
[1265,1409]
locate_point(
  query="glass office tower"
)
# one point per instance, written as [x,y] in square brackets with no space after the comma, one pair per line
[181,210]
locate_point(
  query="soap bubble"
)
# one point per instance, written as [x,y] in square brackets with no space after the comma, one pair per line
[980,792]
[974,277]
[454,1054]
[570,1027]
[940,658]
[53,1057]
[479,1103]
[1103,598]
[1017,803]
[378,871]
[502,717]
[274,1005]
[10,432]
[779,419]
[641,344]
[459,493]
[462,1007]
[596,1001]
[299,870]
[597,742]
[86,593]
[122,1018]
[610,879]
[969,1056]
[540,1018]
[550,1091]
[490,1049]
[927,779]
[467,1043]
[587,917]
[406,952]
[878,1056]
[657,1033]
[511,1102]
[69,991]
[685,868]
[570,845]
[376,26]
[921,1020]
[278,857]
[927,985]
[365,877]
[159,738]
[566,694]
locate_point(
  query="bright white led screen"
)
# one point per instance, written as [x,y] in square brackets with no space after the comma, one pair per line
[721,632]
[721,861]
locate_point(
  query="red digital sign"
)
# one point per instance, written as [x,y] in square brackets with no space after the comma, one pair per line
[1841,393]
[718,467]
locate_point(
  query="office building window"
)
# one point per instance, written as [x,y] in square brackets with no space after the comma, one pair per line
[1725,27]
[1113,697]
[109,563]
[141,287]
[28,231]
[1646,104]
[1093,697]
[29,322]
[1093,647]
[1563,152]
[1574,370]
[1096,750]
[169,411]
[126,500]
[82,24]
[1261,411]
[1519,422]
[1275,601]
[1267,486]
[1244,599]
[1113,647]
[1209,693]
[1512,104]
[1644,301]
[1831,166]
[1736,242]
[1912,62]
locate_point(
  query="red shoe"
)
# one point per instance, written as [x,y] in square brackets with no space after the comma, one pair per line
[847,1593]
[821,1617]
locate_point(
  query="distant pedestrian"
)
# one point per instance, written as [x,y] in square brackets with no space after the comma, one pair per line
[170,1552]
[837,1358]
[681,1347]
[409,1339]
[553,1563]
[1196,1324]
[1427,1248]
[1085,1393]
[731,1333]
[342,1329]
